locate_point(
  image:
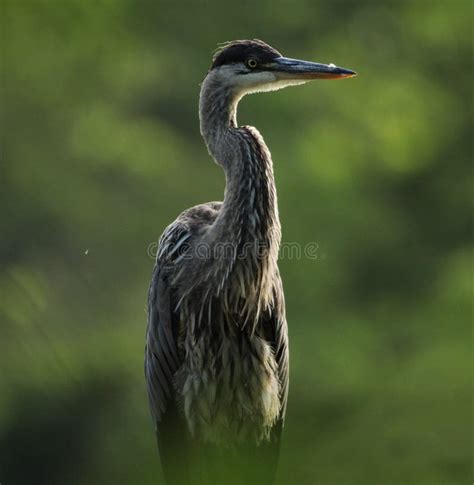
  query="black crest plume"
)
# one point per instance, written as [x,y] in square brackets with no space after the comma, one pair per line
[240,50]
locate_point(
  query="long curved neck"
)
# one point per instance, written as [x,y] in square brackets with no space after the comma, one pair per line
[249,215]
[250,195]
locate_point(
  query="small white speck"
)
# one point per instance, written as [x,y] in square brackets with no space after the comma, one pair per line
[86,252]
[332,66]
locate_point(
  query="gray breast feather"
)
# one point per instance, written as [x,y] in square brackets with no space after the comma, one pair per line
[189,371]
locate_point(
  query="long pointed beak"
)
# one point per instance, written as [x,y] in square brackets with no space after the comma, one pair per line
[294,69]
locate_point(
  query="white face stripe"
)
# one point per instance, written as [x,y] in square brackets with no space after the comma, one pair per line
[244,81]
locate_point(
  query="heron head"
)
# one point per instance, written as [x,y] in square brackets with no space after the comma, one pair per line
[250,66]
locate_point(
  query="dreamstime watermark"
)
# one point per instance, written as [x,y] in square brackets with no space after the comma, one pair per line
[202,250]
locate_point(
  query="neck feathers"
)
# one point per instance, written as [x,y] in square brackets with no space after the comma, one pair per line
[248,224]
[217,113]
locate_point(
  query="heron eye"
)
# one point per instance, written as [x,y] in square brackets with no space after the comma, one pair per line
[252,63]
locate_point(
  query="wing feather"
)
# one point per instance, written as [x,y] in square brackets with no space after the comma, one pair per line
[161,353]
[276,331]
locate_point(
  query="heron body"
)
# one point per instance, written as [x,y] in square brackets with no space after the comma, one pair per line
[216,359]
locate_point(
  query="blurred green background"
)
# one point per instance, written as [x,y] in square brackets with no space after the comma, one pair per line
[101,150]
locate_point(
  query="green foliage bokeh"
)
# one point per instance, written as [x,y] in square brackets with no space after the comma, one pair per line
[101,150]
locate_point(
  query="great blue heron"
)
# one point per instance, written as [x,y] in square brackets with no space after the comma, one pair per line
[216,359]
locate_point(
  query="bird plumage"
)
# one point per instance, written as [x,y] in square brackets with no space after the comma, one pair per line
[222,381]
[216,358]
[217,341]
